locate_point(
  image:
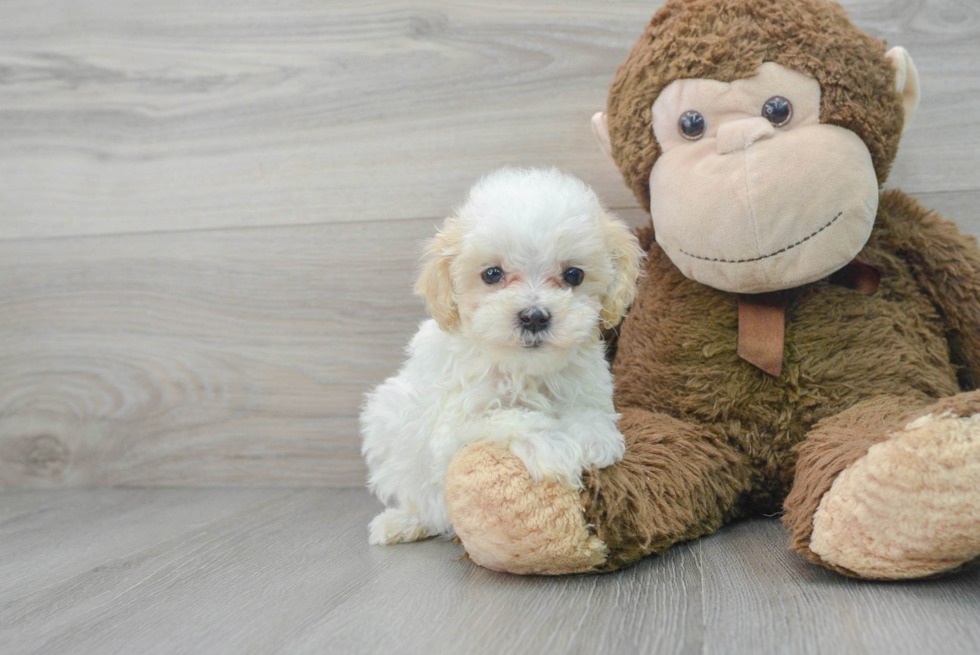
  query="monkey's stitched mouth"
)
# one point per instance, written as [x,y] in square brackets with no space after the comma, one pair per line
[772,254]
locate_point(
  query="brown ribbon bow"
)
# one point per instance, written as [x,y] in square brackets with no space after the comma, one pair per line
[762,317]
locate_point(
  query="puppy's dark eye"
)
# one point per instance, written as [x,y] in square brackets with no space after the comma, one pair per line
[493,275]
[777,110]
[692,125]
[573,276]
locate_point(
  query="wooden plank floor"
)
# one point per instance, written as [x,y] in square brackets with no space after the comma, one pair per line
[278,570]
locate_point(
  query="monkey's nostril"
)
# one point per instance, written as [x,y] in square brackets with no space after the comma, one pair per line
[534,320]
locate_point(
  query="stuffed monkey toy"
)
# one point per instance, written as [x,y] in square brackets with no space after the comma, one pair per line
[802,342]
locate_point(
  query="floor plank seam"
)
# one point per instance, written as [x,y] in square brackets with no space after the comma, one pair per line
[348,223]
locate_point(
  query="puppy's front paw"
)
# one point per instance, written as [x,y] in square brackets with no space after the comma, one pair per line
[395,526]
[548,458]
[603,452]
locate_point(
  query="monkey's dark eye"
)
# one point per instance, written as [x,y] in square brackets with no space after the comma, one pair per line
[692,125]
[493,275]
[777,110]
[573,276]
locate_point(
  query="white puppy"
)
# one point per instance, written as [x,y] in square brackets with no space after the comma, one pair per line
[518,282]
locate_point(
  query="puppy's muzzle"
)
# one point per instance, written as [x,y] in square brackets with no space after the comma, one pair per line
[533,320]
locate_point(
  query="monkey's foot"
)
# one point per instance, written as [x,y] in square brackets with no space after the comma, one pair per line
[509,522]
[910,507]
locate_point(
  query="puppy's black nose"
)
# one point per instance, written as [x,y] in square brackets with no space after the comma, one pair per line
[534,320]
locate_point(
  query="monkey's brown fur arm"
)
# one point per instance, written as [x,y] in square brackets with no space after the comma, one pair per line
[677,481]
[946,263]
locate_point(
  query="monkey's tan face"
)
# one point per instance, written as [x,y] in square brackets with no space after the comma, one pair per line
[752,193]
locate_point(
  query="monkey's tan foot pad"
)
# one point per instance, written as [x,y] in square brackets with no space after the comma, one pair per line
[509,522]
[910,507]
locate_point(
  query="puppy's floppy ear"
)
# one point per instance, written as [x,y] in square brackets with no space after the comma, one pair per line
[435,282]
[627,255]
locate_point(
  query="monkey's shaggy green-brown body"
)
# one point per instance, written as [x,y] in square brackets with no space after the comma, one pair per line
[868,439]
[711,437]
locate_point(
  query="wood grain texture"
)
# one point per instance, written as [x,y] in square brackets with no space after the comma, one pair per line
[119,117]
[211,213]
[761,598]
[263,571]
[145,116]
[209,357]
[223,356]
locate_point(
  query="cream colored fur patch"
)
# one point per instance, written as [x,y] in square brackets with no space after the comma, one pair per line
[508,522]
[910,507]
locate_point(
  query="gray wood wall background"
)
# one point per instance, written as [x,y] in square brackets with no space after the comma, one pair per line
[210,213]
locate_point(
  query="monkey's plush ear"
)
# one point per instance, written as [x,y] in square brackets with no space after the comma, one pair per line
[906,81]
[600,128]
[627,256]
[435,282]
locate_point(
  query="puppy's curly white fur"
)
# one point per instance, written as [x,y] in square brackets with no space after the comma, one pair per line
[518,282]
